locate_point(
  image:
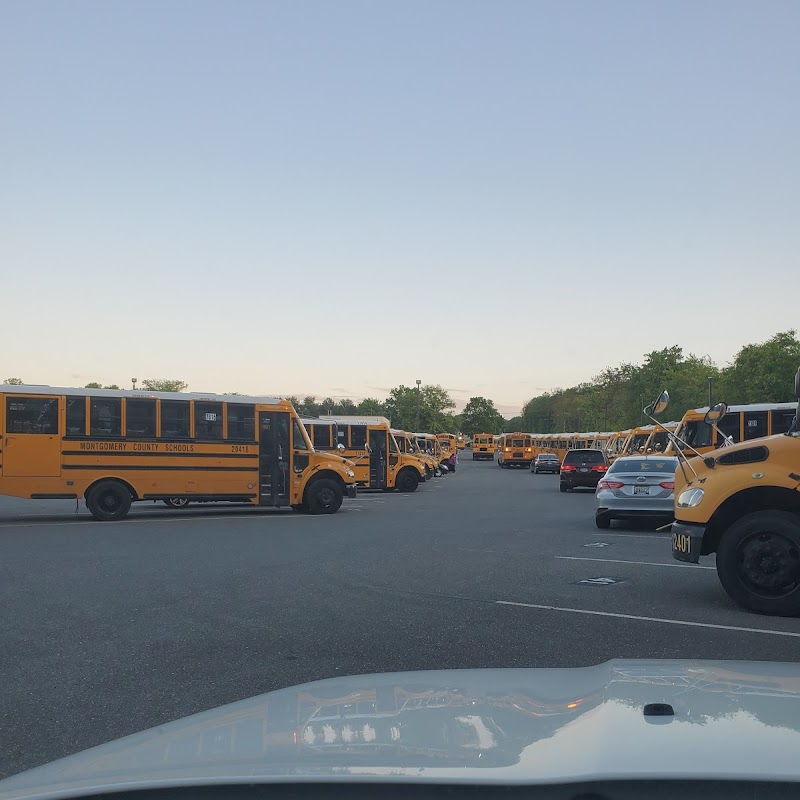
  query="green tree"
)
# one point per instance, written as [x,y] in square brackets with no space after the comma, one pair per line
[164,385]
[480,416]
[762,373]
[434,408]
[14,382]
[370,407]
[96,385]
[515,424]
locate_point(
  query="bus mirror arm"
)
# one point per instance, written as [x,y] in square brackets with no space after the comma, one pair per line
[677,442]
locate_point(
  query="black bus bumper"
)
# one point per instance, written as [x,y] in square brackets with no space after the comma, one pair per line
[687,541]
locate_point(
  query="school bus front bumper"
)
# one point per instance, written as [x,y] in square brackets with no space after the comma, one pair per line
[687,541]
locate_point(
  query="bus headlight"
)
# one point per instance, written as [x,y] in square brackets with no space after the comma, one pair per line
[349,473]
[690,498]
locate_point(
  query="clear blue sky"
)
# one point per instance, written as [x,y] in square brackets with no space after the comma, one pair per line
[289,197]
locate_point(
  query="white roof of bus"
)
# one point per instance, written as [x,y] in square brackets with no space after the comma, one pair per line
[753,407]
[137,393]
[356,420]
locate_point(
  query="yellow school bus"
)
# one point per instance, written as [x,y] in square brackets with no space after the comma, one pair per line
[461,442]
[379,463]
[741,423]
[447,441]
[483,446]
[407,442]
[116,447]
[515,450]
[616,444]
[741,501]
[430,445]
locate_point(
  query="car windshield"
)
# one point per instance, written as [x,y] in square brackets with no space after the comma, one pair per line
[201,498]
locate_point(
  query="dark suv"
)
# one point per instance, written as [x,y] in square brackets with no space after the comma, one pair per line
[582,468]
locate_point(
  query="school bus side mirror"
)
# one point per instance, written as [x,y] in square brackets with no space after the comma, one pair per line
[715,413]
[660,404]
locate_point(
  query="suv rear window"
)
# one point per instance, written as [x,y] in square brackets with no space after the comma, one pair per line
[585,457]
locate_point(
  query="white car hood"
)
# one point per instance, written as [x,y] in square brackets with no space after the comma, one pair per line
[732,720]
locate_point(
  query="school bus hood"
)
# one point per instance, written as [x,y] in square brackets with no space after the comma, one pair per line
[619,720]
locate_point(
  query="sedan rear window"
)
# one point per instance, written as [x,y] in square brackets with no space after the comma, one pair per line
[548,457]
[585,457]
[667,465]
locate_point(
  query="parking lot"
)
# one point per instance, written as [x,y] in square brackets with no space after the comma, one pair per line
[109,628]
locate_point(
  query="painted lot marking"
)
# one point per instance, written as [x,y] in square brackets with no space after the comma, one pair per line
[639,563]
[565,610]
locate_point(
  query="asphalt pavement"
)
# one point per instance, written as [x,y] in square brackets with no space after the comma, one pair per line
[110,628]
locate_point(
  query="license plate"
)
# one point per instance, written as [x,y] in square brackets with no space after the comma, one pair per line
[584,469]
[641,490]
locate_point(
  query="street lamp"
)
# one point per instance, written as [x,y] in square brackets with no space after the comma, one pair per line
[418,384]
[710,398]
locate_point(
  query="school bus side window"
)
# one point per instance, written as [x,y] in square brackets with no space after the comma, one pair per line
[392,444]
[140,418]
[105,416]
[241,422]
[299,440]
[31,415]
[175,419]
[208,420]
[76,416]
[358,437]
[322,436]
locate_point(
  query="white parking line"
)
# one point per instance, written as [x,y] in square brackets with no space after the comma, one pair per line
[641,563]
[648,619]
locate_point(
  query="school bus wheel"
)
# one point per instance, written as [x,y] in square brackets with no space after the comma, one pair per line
[407,480]
[300,508]
[177,502]
[324,496]
[109,500]
[758,562]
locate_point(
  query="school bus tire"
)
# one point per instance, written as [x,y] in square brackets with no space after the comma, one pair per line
[177,502]
[758,563]
[300,508]
[109,500]
[324,496]
[407,480]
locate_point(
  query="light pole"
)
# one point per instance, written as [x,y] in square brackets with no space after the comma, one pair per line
[641,407]
[710,397]
[418,384]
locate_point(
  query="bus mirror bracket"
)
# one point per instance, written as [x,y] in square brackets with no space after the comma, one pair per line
[661,403]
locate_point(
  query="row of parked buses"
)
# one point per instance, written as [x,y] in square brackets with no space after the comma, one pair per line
[112,448]
[740,423]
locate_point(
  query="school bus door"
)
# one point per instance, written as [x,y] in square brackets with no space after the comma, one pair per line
[378,443]
[31,445]
[273,458]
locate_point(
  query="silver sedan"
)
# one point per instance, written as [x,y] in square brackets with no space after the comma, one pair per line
[636,487]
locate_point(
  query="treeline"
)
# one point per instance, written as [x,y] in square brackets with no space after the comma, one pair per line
[429,408]
[760,373]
